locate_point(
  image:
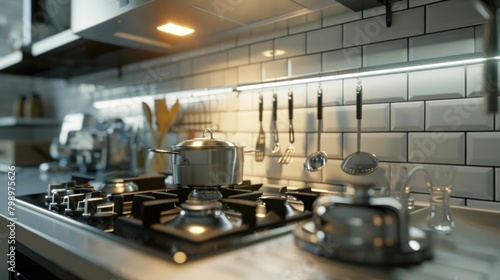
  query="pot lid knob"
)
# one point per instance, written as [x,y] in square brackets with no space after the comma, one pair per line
[209,130]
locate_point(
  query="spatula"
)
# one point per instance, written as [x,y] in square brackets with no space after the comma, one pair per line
[290,150]
[260,147]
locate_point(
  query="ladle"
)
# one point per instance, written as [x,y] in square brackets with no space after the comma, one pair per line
[318,159]
[359,163]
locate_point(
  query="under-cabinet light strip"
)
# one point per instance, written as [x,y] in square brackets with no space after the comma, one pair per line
[359,74]
[131,101]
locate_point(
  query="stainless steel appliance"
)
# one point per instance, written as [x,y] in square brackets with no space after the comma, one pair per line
[90,145]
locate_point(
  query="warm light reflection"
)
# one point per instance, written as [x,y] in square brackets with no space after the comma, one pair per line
[196,229]
[273,53]
[175,29]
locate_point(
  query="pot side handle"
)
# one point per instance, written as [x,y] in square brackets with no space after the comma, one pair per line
[161,151]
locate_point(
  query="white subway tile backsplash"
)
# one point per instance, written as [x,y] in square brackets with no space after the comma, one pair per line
[331,144]
[238,56]
[473,182]
[386,146]
[305,65]
[457,115]
[343,118]
[305,23]
[483,148]
[443,44]
[185,68]
[325,39]
[344,59]
[210,62]
[497,184]
[247,101]
[451,15]
[231,76]
[266,32]
[269,168]
[339,14]
[374,30]
[416,3]
[292,45]
[217,78]
[487,205]
[295,171]
[474,80]
[385,53]
[450,83]
[436,147]
[274,69]
[407,116]
[332,93]
[262,51]
[387,88]
[248,121]
[249,74]
[228,121]
[201,81]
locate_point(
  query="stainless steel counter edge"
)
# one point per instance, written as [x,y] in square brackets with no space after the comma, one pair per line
[92,256]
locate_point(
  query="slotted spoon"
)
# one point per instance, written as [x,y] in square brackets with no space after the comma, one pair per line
[260,147]
[290,150]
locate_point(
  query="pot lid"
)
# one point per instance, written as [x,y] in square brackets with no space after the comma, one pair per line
[206,142]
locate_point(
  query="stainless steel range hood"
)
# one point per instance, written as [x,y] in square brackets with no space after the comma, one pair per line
[133,23]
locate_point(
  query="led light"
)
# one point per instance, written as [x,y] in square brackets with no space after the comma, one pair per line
[175,29]
[360,74]
[187,96]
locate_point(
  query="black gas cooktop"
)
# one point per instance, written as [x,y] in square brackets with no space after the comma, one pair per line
[179,225]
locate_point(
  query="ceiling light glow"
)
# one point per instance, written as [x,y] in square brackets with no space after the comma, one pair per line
[175,29]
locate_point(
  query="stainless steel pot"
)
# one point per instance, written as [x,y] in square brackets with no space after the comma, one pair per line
[206,161]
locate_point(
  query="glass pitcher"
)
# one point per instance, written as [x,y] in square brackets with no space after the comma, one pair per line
[438,180]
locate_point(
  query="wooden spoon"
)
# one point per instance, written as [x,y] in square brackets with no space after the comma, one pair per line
[149,119]
[162,119]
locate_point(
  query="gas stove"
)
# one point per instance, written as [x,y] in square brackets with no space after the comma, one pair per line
[180,224]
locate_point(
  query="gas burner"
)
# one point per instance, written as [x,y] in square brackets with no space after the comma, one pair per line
[202,218]
[181,223]
[205,193]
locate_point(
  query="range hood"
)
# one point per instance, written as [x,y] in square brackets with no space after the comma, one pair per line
[107,34]
[133,23]
[49,47]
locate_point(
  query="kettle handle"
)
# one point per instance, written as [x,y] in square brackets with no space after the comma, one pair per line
[161,151]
